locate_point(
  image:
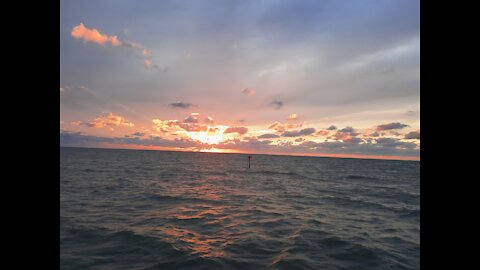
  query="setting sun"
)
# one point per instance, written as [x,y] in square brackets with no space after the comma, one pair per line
[206,137]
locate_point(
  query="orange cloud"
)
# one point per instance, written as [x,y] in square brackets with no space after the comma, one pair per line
[283,127]
[193,127]
[164,126]
[322,133]
[239,130]
[292,117]
[109,120]
[208,120]
[93,35]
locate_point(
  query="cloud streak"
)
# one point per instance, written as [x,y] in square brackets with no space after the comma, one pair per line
[277,105]
[93,35]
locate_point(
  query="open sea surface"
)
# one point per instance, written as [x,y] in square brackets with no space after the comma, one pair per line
[132,209]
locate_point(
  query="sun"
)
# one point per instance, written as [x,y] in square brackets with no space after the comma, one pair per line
[206,137]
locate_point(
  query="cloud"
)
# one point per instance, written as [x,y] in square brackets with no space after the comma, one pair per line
[395,133]
[208,120]
[268,136]
[345,134]
[138,134]
[347,130]
[180,105]
[277,104]
[382,146]
[248,91]
[68,138]
[192,127]
[297,133]
[332,127]
[414,135]
[109,120]
[239,130]
[292,117]
[94,36]
[190,119]
[390,126]
[322,133]
[412,113]
[282,127]
[165,125]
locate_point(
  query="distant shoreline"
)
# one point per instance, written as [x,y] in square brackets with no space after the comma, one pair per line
[247,153]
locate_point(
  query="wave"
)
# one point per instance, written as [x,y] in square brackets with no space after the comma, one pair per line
[106,249]
[361,177]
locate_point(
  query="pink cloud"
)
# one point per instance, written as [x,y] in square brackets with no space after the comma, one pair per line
[239,130]
[109,120]
[93,35]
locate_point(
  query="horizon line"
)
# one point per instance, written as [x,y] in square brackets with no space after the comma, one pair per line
[367,157]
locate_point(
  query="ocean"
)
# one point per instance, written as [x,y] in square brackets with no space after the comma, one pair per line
[138,209]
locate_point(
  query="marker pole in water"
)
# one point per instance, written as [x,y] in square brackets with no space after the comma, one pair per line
[249,158]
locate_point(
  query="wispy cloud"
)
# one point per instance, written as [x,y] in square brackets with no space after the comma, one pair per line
[276,104]
[248,91]
[93,35]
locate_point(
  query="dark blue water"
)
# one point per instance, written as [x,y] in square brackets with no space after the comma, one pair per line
[127,209]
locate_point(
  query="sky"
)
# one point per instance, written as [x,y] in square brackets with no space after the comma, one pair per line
[295,77]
